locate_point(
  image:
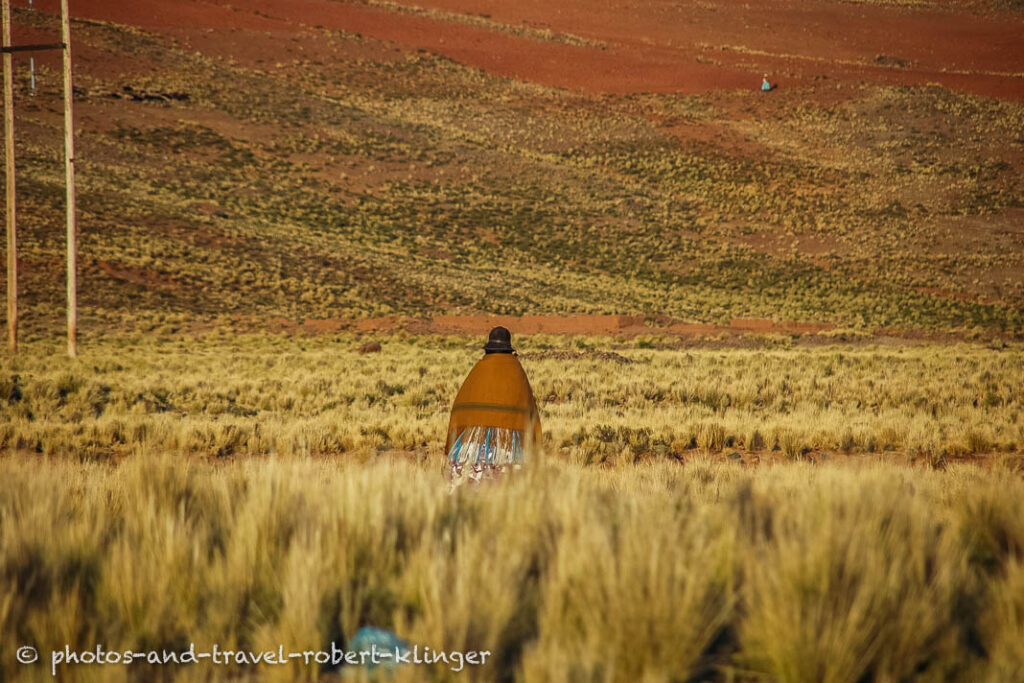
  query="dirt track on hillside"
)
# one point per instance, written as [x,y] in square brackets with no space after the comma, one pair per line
[629,325]
[583,325]
[623,47]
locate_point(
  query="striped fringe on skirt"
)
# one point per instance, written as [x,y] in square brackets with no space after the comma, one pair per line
[480,449]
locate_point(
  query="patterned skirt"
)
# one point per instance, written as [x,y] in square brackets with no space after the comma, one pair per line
[481,452]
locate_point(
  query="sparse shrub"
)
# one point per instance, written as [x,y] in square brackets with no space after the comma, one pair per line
[711,436]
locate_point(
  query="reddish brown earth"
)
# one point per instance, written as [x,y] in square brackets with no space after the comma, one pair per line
[746,459]
[655,46]
[739,332]
[137,276]
[627,325]
[658,45]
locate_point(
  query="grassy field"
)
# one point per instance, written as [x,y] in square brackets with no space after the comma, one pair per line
[750,509]
[602,400]
[655,572]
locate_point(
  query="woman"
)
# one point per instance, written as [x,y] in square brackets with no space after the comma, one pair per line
[494,417]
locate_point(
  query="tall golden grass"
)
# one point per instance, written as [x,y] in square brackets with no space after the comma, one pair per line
[259,395]
[653,572]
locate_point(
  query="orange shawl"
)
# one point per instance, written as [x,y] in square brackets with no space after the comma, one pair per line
[497,394]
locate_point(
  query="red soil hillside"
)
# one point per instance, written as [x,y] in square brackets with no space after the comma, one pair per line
[622,47]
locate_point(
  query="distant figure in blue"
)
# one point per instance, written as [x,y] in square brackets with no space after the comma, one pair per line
[766,85]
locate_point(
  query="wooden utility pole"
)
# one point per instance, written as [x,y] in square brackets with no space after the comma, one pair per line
[69,173]
[12,237]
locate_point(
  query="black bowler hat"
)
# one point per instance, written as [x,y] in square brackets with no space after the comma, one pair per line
[499,341]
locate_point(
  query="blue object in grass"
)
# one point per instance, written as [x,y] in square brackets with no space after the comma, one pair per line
[387,644]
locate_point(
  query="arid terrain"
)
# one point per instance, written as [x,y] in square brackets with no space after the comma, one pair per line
[270,163]
[776,339]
